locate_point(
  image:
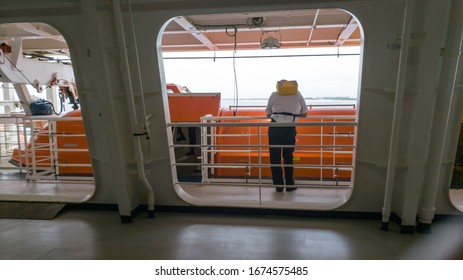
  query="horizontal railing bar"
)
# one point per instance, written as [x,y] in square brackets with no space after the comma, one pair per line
[40,159]
[319,184]
[257,146]
[255,124]
[266,152]
[68,150]
[310,117]
[75,178]
[65,134]
[72,164]
[308,106]
[223,135]
[256,165]
[51,118]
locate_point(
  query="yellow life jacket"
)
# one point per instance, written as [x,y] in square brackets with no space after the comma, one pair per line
[287,87]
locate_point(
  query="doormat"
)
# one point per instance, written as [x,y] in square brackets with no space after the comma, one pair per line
[29,210]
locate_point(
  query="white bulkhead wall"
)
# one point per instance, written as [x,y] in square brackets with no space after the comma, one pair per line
[427,41]
[447,117]
[89,29]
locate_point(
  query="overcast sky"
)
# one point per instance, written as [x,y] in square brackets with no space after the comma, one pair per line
[317,76]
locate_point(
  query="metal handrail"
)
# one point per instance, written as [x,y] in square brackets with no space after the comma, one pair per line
[210,147]
[46,165]
[258,124]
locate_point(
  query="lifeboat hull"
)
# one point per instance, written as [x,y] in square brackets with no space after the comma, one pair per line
[71,156]
[306,159]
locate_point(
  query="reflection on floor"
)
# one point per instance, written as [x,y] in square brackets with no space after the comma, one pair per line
[92,234]
[312,198]
[14,187]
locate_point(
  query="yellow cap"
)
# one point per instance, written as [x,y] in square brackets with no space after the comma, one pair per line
[285,87]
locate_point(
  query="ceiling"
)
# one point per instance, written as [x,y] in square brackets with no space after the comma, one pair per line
[38,39]
[292,29]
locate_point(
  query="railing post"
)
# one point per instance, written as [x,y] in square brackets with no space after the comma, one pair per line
[259,153]
[321,150]
[19,143]
[334,170]
[259,159]
[204,152]
[213,141]
[54,158]
[34,158]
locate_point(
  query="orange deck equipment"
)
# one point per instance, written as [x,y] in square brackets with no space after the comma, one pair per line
[72,156]
[190,107]
[308,156]
[232,141]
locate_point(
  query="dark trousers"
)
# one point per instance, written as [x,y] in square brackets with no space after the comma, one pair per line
[282,136]
[191,135]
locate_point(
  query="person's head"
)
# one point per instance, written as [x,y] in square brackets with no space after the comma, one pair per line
[285,87]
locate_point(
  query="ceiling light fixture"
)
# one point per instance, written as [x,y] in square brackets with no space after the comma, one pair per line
[269,42]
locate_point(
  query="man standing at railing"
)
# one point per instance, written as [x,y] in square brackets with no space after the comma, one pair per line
[284,106]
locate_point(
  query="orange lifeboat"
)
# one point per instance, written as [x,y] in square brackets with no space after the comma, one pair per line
[70,156]
[316,145]
[336,154]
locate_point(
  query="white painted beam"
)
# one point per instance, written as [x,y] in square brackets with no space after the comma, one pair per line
[199,35]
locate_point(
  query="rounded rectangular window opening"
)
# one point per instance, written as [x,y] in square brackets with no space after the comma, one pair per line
[44,138]
[230,64]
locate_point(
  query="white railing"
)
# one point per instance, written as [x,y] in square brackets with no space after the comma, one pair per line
[44,150]
[13,136]
[235,150]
